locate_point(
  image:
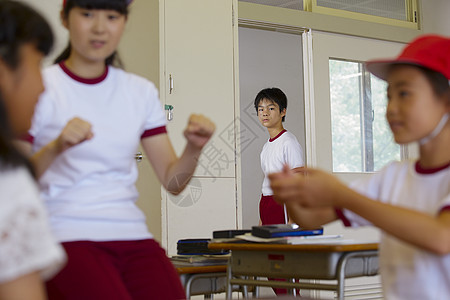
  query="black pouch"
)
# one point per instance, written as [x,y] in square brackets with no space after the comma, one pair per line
[197,247]
[228,234]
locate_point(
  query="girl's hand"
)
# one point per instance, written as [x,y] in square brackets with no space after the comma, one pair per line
[75,132]
[310,187]
[300,170]
[199,130]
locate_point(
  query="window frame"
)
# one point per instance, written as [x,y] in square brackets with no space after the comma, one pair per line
[366,119]
[249,12]
[324,46]
[411,6]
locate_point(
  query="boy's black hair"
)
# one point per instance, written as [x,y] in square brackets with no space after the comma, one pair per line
[272,94]
[19,25]
[120,6]
[438,81]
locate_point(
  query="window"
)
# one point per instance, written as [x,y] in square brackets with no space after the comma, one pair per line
[393,9]
[292,4]
[401,13]
[361,138]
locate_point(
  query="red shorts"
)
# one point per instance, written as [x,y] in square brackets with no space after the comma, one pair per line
[121,270]
[271,212]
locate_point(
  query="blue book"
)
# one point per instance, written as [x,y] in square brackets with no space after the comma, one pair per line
[280,230]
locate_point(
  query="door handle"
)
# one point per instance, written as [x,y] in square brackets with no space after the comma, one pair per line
[139,157]
[170,83]
[169,109]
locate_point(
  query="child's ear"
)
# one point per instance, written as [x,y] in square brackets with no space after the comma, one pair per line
[447,99]
[3,70]
[63,19]
[5,75]
[283,112]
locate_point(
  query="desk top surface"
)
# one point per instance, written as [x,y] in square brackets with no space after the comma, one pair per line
[200,269]
[357,246]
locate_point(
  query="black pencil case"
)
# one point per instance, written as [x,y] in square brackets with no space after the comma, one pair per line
[197,247]
[228,234]
[280,230]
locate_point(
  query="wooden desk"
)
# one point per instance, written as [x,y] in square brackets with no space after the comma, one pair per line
[202,280]
[306,261]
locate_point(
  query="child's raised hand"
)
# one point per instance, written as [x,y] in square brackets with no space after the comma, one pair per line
[285,185]
[199,130]
[300,170]
[314,188]
[75,132]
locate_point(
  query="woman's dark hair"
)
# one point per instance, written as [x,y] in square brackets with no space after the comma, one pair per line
[120,6]
[19,25]
[272,94]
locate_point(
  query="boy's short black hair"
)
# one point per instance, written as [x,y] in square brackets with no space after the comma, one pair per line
[272,94]
[439,83]
[19,25]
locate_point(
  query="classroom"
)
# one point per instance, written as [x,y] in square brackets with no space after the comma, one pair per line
[212,57]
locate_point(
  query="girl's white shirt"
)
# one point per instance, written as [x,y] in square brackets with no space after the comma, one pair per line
[89,190]
[26,242]
[408,272]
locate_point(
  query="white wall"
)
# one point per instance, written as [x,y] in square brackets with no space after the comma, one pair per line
[435,16]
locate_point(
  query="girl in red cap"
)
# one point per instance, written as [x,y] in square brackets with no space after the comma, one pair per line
[409,200]
[85,133]
[28,251]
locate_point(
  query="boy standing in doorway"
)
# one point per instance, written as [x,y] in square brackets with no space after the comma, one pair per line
[281,149]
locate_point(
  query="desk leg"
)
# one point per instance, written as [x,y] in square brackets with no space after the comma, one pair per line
[341,268]
[256,290]
[193,277]
[293,290]
[187,289]
[341,278]
[245,289]
[229,287]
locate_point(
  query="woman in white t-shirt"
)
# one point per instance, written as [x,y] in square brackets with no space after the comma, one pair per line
[28,251]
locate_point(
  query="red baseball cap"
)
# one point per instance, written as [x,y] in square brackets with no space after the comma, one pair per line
[429,51]
[65,1]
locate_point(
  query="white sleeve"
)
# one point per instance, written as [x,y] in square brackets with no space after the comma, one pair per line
[26,244]
[445,204]
[293,154]
[40,111]
[368,187]
[156,116]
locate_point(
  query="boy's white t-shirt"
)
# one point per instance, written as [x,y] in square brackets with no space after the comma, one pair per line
[276,152]
[26,242]
[89,190]
[408,272]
